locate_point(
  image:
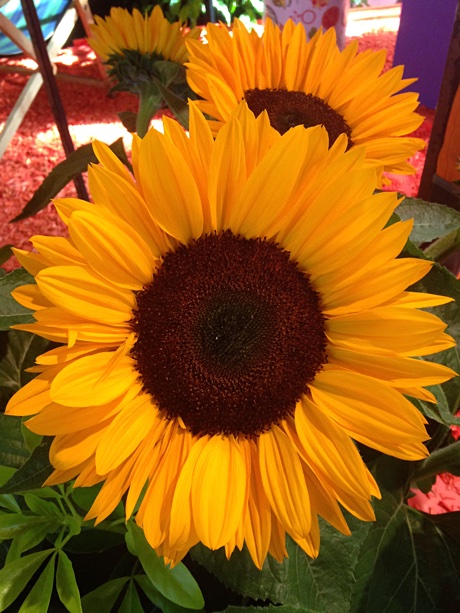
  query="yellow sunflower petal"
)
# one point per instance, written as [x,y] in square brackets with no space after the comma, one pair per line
[81,292]
[125,433]
[371,412]
[218,491]
[284,482]
[83,381]
[103,247]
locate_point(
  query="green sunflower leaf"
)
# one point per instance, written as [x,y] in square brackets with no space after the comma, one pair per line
[41,507]
[176,584]
[104,597]
[13,450]
[131,602]
[11,312]
[5,253]
[38,599]
[29,538]
[165,605]
[324,584]
[18,351]
[170,72]
[431,220]
[445,460]
[64,172]
[15,576]
[407,564]
[8,501]
[14,524]
[33,472]
[177,105]
[66,584]
[6,472]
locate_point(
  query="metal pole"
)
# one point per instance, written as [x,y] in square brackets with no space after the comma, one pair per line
[44,64]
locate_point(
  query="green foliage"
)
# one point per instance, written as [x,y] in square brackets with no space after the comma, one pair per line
[11,312]
[431,220]
[196,12]
[404,565]
[176,584]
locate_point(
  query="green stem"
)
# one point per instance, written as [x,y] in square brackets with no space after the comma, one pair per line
[441,247]
[149,105]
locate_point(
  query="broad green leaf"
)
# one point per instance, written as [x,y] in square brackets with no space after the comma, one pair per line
[128,119]
[439,411]
[445,460]
[8,501]
[131,602]
[407,564]
[165,605]
[430,220]
[13,524]
[5,253]
[41,507]
[6,472]
[15,576]
[324,584]
[46,492]
[13,450]
[11,312]
[104,597]
[177,105]
[448,523]
[33,473]
[170,72]
[66,584]
[38,599]
[176,584]
[31,439]
[21,352]
[29,538]
[64,172]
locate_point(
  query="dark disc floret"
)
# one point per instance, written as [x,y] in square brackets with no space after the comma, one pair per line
[287,109]
[229,334]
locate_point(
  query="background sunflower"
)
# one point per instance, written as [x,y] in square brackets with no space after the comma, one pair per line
[308,83]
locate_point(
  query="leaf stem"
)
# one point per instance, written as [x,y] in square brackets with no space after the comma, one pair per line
[149,104]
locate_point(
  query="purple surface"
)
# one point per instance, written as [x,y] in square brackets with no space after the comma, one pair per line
[423,41]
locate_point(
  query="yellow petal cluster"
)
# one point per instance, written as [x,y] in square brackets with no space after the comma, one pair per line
[316,202]
[351,83]
[124,30]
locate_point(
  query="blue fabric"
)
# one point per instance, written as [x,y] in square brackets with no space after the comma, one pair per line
[49,13]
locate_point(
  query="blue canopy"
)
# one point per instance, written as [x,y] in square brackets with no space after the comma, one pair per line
[49,13]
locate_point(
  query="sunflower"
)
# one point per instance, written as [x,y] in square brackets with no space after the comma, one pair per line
[310,83]
[231,319]
[148,34]
[145,56]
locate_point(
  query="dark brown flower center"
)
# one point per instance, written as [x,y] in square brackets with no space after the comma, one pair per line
[287,109]
[229,334]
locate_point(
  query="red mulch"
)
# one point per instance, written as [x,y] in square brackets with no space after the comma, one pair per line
[36,149]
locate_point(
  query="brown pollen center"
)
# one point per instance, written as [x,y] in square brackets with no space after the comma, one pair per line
[229,334]
[287,109]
